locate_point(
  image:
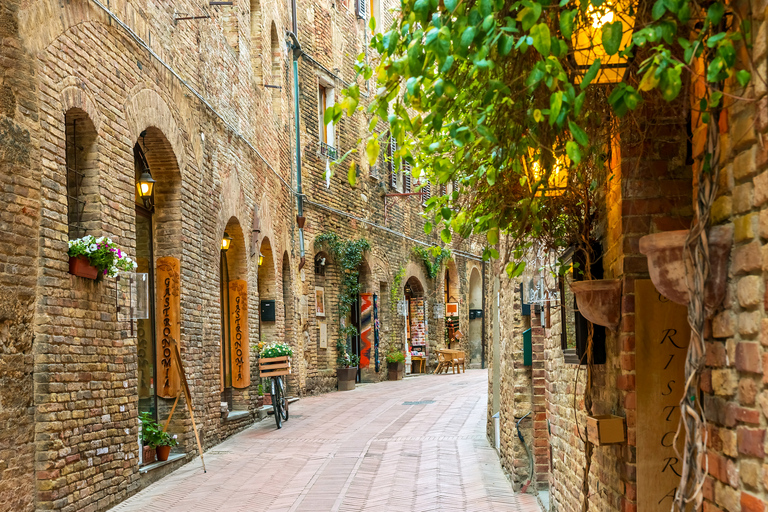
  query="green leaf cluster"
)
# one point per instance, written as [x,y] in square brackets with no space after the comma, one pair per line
[432,258]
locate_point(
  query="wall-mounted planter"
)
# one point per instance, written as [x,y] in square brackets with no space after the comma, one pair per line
[81,267]
[599,301]
[669,272]
[605,429]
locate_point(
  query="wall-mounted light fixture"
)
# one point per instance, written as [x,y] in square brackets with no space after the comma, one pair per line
[145,188]
[226,241]
[588,40]
[261,259]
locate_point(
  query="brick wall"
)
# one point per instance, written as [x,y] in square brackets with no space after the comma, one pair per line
[73,443]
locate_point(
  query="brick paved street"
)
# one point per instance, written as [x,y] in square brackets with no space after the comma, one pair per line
[412,445]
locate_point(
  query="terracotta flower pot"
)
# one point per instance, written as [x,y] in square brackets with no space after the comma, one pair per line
[81,267]
[670,273]
[267,399]
[599,301]
[163,452]
[346,378]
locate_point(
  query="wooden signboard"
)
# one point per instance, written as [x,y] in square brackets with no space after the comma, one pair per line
[661,344]
[238,334]
[168,279]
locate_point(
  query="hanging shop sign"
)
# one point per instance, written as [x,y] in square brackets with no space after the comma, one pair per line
[661,343]
[238,334]
[168,324]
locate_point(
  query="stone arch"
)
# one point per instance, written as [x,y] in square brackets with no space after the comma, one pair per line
[276,67]
[267,290]
[256,37]
[82,174]
[73,96]
[233,271]
[365,277]
[289,321]
[475,289]
[158,153]
[451,285]
[414,288]
[146,107]
[475,334]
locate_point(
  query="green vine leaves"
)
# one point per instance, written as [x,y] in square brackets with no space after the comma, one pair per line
[432,258]
[493,98]
[348,255]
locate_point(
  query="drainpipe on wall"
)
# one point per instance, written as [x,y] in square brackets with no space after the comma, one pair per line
[296,49]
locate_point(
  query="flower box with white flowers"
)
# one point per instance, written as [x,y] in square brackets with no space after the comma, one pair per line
[94,258]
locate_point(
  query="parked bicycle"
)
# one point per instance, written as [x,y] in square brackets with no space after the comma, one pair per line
[279,400]
[274,363]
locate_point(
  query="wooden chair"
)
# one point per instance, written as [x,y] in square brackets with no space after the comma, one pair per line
[442,364]
[461,361]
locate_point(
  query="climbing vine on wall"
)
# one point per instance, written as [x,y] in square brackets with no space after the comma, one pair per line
[498,98]
[432,258]
[348,254]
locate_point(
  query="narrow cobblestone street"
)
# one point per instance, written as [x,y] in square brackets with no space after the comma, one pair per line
[412,445]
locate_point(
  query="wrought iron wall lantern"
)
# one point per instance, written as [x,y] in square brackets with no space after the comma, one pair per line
[261,259]
[145,188]
[226,241]
[588,39]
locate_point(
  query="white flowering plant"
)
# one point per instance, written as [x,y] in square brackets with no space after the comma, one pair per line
[103,254]
[276,350]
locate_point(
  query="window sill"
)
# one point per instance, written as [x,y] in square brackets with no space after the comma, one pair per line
[158,464]
[237,415]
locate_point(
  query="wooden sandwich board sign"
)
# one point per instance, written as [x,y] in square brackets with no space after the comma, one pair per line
[187,395]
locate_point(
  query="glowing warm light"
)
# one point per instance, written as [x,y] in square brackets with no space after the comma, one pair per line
[145,185]
[558,178]
[261,259]
[588,41]
[226,242]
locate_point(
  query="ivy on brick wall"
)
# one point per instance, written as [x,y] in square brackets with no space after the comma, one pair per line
[432,258]
[348,255]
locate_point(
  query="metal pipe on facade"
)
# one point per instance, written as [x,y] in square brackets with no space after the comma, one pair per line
[482,325]
[296,48]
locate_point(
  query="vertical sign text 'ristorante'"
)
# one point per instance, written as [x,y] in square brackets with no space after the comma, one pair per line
[661,343]
[168,325]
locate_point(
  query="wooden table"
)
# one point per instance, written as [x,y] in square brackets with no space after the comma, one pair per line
[420,363]
[451,354]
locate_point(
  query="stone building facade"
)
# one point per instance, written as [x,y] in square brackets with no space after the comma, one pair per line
[652,190]
[94,93]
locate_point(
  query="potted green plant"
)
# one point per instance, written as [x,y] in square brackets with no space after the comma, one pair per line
[396,365]
[93,258]
[347,371]
[153,436]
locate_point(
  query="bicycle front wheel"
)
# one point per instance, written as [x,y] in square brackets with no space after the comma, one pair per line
[276,397]
[283,399]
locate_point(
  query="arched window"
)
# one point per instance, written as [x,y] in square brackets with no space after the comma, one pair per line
[83,198]
[256,56]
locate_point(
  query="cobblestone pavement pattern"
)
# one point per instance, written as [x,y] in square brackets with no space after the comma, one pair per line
[412,445]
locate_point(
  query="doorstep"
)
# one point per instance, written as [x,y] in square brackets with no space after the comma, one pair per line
[237,415]
[160,463]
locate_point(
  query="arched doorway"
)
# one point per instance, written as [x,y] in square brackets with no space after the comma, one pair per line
[451,296]
[475,319]
[361,317]
[267,293]
[158,247]
[415,324]
[233,295]
[288,321]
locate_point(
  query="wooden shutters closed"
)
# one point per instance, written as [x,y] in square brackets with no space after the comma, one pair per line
[168,324]
[238,334]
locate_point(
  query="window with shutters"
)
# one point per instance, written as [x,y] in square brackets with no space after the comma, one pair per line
[325,100]
[394,172]
[407,177]
[362,9]
[426,193]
